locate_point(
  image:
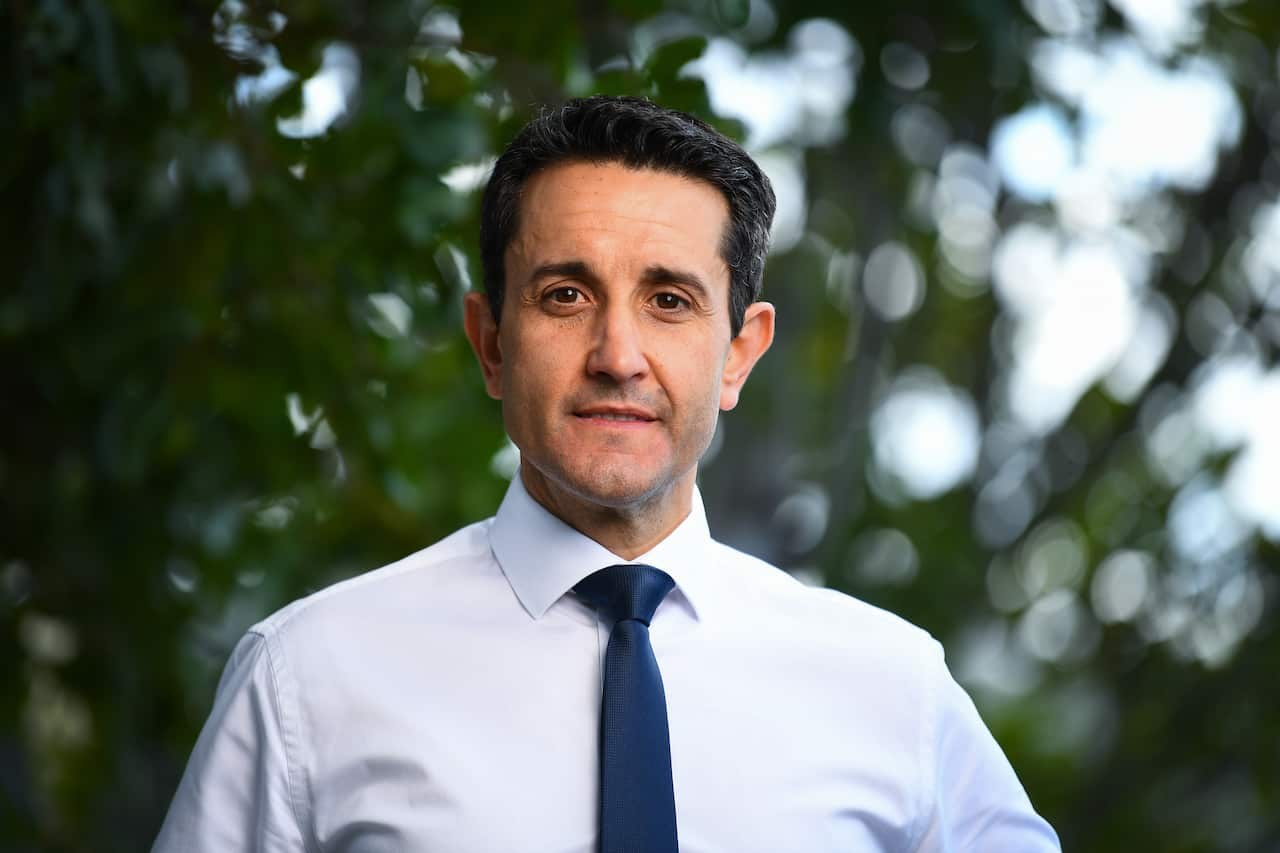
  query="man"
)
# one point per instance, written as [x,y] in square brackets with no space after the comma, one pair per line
[493,692]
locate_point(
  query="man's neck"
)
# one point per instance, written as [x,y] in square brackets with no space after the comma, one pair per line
[627,531]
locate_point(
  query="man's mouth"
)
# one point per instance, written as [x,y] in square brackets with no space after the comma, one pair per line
[615,415]
[612,417]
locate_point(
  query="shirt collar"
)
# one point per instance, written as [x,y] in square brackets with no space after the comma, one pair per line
[543,558]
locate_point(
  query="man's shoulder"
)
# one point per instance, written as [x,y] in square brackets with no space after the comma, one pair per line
[412,581]
[817,612]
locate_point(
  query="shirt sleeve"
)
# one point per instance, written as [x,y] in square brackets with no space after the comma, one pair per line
[976,803]
[236,794]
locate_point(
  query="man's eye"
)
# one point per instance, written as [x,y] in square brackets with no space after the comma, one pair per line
[670,301]
[564,295]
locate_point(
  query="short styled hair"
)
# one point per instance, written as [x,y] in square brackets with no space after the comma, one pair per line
[639,134]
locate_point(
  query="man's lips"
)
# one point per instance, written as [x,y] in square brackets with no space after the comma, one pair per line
[615,414]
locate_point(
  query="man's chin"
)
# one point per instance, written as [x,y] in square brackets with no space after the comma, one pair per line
[621,492]
[622,488]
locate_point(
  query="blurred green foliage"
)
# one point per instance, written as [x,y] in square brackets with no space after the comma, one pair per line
[233,373]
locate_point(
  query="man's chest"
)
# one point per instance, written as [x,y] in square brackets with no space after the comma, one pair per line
[483,749]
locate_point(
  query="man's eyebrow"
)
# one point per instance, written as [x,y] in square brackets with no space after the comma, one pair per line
[656,274]
[666,275]
[566,269]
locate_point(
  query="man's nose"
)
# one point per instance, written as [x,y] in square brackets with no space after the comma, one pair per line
[617,349]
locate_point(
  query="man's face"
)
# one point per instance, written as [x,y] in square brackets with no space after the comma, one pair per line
[614,353]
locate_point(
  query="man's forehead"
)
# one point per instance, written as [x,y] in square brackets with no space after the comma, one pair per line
[585,181]
[578,199]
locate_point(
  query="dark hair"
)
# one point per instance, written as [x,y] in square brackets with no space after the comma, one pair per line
[642,135]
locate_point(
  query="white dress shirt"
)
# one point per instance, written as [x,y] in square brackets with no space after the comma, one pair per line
[451,700]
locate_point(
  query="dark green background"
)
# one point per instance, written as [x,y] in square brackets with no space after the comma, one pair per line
[168,283]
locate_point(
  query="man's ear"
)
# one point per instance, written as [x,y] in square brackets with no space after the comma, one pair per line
[745,350]
[482,331]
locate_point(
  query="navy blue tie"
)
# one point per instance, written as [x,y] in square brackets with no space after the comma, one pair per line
[637,800]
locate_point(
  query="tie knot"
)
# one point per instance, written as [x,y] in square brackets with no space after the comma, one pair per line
[626,591]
